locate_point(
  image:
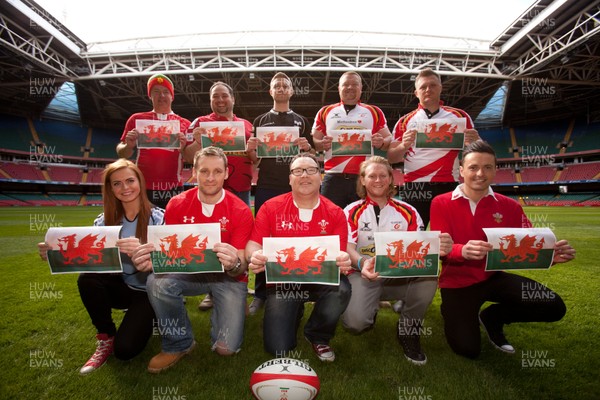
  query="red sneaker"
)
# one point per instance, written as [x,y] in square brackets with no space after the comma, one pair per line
[104,348]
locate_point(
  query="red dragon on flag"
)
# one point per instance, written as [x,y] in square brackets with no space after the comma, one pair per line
[188,249]
[414,255]
[222,137]
[272,140]
[161,134]
[440,134]
[308,261]
[89,246]
[351,141]
[524,250]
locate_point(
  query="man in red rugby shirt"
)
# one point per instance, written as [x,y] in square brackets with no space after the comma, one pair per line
[206,203]
[302,212]
[161,167]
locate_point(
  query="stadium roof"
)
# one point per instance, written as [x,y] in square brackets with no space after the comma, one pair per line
[546,61]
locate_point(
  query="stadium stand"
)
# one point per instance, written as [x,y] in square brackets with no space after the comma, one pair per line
[61,138]
[585,137]
[499,139]
[23,171]
[541,174]
[579,172]
[15,134]
[505,175]
[65,174]
[104,143]
[541,139]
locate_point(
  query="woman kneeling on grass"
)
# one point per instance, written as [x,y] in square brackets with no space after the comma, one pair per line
[126,204]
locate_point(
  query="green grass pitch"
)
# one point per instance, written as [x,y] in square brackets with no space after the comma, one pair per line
[46,336]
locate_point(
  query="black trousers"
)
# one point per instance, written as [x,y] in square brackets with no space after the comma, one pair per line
[516,299]
[100,293]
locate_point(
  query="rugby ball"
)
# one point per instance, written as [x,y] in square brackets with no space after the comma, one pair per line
[284,378]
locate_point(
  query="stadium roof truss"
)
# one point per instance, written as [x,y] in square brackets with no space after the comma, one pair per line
[554,44]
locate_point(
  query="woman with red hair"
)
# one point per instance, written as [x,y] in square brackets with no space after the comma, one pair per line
[126,204]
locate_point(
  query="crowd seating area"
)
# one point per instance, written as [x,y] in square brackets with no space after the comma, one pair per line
[567,199]
[30,143]
[579,172]
[538,174]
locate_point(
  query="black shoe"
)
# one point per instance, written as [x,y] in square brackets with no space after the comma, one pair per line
[411,344]
[495,333]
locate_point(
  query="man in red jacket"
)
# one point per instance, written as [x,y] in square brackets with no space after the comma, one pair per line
[464,283]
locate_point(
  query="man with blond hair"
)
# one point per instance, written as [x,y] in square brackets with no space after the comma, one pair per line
[378,211]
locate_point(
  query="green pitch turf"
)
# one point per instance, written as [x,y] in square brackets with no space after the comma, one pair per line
[46,336]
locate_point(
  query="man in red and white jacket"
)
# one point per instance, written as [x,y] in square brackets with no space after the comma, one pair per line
[161,167]
[341,172]
[464,283]
[427,172]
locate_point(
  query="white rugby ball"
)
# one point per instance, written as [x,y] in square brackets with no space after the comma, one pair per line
[284,378]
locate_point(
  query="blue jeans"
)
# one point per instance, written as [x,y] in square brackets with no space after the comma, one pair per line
[166,293]
[284,309]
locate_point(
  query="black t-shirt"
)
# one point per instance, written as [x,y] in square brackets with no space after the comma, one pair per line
[273,173]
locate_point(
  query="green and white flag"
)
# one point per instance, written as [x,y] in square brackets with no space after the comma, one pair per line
[157,134]
[350,142]
[185,248]
[90,249]
[276,141]
[407,254]
[441,133]
[520,248]
[302,259]
[228,135]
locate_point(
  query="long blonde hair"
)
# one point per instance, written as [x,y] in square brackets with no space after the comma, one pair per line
[113,208]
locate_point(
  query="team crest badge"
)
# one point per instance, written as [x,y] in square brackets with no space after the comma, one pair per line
[323,224]
[498,217]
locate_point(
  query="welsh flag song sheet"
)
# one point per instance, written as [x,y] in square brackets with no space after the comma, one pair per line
[302,260]
[520,248]
[441,133]
[185,248]
[407,254]
[157,134]
[90,249]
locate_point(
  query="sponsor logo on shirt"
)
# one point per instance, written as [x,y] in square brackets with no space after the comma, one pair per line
[188,220]
[366,226]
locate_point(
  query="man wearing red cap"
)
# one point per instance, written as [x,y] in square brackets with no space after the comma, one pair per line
[161,167]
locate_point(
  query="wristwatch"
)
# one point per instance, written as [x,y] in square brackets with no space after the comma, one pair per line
[236,267]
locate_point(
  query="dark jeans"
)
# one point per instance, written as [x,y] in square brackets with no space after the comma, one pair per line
[340,188]
[284,309]
[420,194]
[100,293]
[260,197]
[515,298]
